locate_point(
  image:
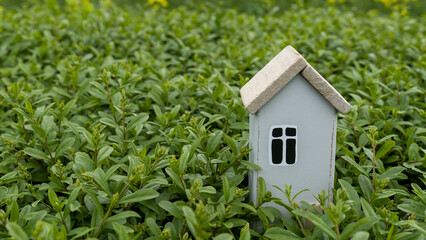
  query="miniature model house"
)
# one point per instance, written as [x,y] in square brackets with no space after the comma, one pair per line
[292,127]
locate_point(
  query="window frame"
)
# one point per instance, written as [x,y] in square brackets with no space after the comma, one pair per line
[284,138]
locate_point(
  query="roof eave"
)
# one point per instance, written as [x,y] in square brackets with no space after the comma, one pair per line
[280,71]
[325,89]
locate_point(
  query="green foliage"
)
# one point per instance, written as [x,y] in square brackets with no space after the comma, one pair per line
[127,124]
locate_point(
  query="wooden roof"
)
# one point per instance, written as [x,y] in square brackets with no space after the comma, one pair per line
[280,71]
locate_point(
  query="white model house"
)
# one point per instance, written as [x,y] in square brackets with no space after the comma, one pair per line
[293,118]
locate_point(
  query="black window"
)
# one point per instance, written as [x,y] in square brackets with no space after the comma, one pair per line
[283,148]
[277,151]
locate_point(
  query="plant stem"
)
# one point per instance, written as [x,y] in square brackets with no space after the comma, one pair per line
[98,230]
[356,135]
[374,165]
[302,228]
[45,142]
[48,149]
[63,220]
[229,166]
[96,156]
[336,229]
[124,123]
[111,104]
[25,132]
[149,173]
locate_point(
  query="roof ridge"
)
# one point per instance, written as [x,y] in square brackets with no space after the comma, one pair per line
[278,72]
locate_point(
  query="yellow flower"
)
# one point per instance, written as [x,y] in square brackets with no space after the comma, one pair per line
[87,5]
[162,3]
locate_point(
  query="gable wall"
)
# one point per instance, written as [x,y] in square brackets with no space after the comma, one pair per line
[298,103]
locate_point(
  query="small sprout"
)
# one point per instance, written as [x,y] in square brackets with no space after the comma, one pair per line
[199,210]
[165,234]
[384,183]
[3,215]
[29,108]
[86,177]
[268,196]
[23,173]
[114,71]
[139,228]
[186,236]
[195,189]
[114,200]
[96,135]
[123,99]
[228,210]
[239,193]
[38,230]
[160,152]
[174,163]
[71,151]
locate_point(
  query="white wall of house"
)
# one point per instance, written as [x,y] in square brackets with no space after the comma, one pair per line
[298,103]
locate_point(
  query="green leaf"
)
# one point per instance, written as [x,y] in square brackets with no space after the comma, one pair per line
[391,173]
[317,221]
[36,154]
[137,120]
[369,212]
[276,233]
[122,215]
[139,195]
[121,231]
[63,146]
[83,160]
[14,212]
[261,191]
[226,190]
[414,224]
[153,226]
[352,195]
[213,142]
[104,153]
[361,236]
[385,149]
[109,122]
[21,112]
[224,236]
[419,192]
[354,164]
[352,228]
[29,108]
[251,165]
[175,178]
[15,231]
[187,153]
[171,208]
[245,205]
[365,185]
[6,96]
[98,177]
[72,198]
[245,233]
[413,152]
[40,131]
[190,219]
[79,232]
[53,199]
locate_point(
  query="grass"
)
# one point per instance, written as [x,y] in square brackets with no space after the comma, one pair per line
[126,123]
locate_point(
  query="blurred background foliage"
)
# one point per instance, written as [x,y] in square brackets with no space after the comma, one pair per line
[401,7]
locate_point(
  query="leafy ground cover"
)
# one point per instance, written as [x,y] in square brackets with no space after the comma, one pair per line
[127,122]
